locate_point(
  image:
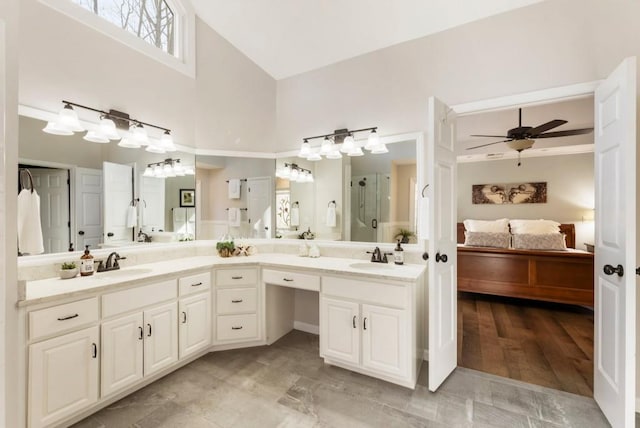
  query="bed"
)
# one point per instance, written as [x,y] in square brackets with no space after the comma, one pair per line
[554,276]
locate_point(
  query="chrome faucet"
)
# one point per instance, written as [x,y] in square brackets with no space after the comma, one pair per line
[378,256]
[111,263]
[143,237]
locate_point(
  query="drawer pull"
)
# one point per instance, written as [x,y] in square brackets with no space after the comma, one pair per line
[365,323]
[197,284]
[354,321]
[287,279]
[236,277]
[184,317]
[236,328]
[95,350]
[237,301]
[68,317]
[141,333]
[149,325]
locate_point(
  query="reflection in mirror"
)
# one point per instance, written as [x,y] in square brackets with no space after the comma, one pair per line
[374,194]
[88,191]
[236,197]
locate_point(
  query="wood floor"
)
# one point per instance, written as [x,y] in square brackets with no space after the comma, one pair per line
[542,343]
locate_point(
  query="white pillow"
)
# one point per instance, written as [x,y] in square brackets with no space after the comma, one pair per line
[493,226]
[534,227]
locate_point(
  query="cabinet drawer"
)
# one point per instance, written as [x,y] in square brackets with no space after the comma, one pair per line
[236,327]
[194,283]
[248,276]
[367,291]
[236,300]
[138,297]
[62,317]
[291,279]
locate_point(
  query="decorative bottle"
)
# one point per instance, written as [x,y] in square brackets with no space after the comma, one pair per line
[398,254]
[86,262]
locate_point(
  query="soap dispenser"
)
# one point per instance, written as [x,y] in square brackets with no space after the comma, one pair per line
[86,262]
[398,254]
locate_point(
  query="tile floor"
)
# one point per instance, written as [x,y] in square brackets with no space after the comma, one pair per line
[288,385]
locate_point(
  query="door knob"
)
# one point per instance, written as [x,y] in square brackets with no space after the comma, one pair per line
[610,270]
[425,256]
[110,234]
[638,271]
[441,258]
[81,232]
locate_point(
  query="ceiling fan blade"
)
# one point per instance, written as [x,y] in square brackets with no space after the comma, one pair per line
[545,127]
[492,136]
[490,144]
[565,133]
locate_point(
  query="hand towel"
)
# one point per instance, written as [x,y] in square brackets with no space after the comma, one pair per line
[179,220]
[234,217]
[143,221]
[294,220]
[331,215]
[131,216]
[29,226]
[234,188]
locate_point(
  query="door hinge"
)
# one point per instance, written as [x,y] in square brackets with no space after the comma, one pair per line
[68,224]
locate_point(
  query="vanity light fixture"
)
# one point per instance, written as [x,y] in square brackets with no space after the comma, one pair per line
[341,141]
[67,123]
[295,173]
[168,168]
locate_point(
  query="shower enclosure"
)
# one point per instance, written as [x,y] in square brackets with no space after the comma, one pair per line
[370,206]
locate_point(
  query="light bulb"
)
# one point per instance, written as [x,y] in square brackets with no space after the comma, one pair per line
[108,129]
[95,137]
[305,149]
[373,141]
[348,144]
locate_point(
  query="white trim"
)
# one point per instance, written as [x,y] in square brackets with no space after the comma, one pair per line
[185,22]
[544,96]
[637,404]
[529,153]
[306,327]
[425,355]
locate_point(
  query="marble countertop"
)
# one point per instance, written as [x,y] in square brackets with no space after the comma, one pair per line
[51,289]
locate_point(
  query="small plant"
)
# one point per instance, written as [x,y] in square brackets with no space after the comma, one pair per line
[225,248]
[68,266]
[404,235]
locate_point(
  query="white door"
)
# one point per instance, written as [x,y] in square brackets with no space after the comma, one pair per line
[259,196]
[63,376]
[152,203]
[195,323]
[122,347]
[118,194]
[442,246]
[160,337]
[384,340]
[615,252]
[340,330]
[88,208]
[53,187]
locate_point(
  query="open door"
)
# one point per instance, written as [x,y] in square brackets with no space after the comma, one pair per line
[615,258]
[88,208]
[118,194]
[442,244]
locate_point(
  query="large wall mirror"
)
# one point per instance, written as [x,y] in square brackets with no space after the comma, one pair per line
[86,190]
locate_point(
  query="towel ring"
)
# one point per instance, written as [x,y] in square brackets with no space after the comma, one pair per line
[331,202]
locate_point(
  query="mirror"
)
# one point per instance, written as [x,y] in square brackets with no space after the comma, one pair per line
[69,175]
[373,197]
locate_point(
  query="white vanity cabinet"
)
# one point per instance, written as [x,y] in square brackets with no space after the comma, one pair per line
[238,305]
[194,309]
[371,327]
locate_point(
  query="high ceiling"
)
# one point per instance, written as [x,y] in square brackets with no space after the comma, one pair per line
[288,37]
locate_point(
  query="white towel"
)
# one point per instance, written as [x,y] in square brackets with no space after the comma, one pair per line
[234,188]
[143,221]
[331,215]
[295,217]
[234,217]
[29,227]
[131,216]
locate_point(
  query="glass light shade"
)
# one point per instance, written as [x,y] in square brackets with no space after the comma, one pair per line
[348,144]
[283,172]
[305,149]
[315,156]
[148,172]
[310,178]
[178,169]
[139,134]
[189,170]
[294,175]
[55,129]
[155,147]
[68,118]
[380,149]
[335,154]
[356,151]
[167,142]
[108,129]
[157,171]
[167,170]
[373,141]
[129,143]
[95,137]
[325,148]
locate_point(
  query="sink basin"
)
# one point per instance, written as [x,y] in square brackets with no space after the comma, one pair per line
[372,266]
[123,272]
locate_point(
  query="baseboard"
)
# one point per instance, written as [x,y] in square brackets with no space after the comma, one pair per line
[425,355]
[307,328]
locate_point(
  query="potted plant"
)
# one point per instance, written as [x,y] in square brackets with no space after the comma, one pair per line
[404,235]
[68,270]
[225,248]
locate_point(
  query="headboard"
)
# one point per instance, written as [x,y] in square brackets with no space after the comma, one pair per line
[568,229]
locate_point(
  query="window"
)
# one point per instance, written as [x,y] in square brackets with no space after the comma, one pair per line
[151,20]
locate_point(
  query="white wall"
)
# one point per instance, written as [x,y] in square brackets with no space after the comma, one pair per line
[570,190]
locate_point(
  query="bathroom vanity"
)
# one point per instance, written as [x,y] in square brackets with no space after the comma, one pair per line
[90,341]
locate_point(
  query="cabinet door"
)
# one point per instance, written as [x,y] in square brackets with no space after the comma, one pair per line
[160,337]
[122,345]
[339,330]
[195,323]
[385,344]
[63,376]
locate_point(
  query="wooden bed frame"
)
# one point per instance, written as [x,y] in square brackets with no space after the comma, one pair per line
[554,276]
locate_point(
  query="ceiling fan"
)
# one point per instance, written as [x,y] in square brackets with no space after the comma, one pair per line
[523,137]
